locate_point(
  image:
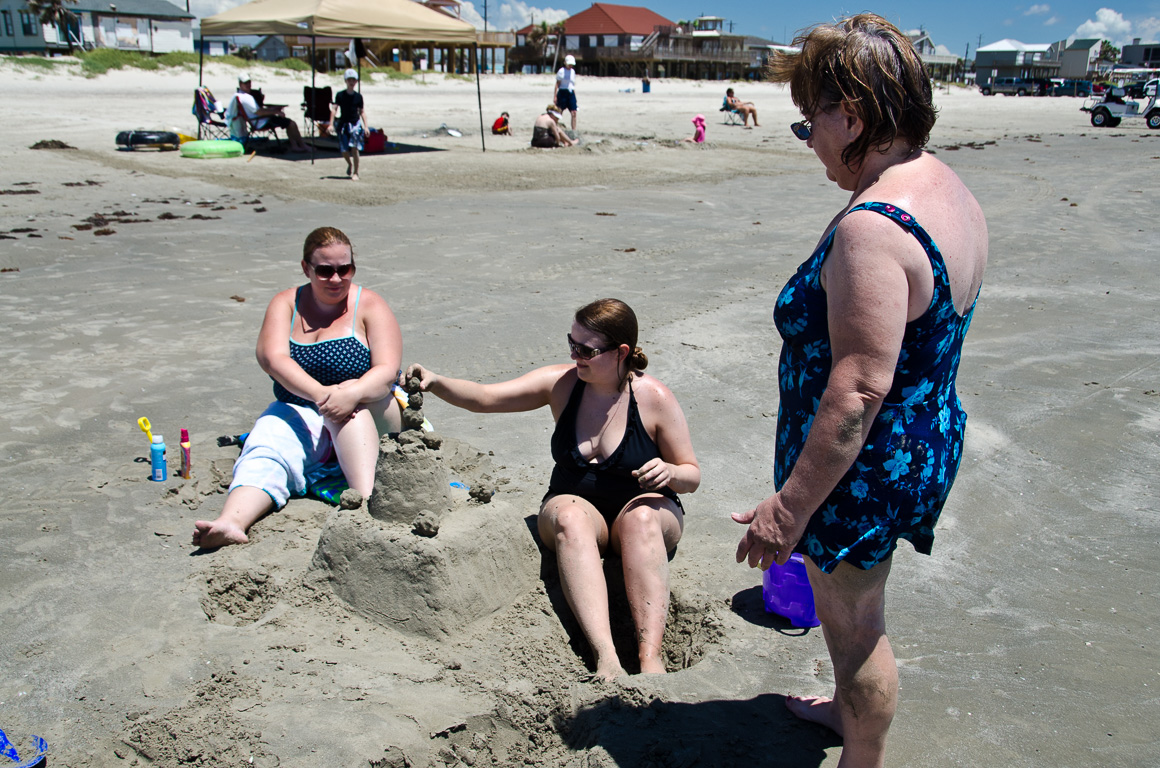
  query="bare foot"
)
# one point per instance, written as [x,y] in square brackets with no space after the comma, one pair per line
[816,709]
[354,177]
[211,535]
[609,671]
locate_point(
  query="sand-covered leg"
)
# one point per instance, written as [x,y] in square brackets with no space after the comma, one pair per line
[644,533]
[575,531]
[244,506]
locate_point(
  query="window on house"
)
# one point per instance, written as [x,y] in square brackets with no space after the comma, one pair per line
[28,25]
[593,41]
[7,23]
[611,41]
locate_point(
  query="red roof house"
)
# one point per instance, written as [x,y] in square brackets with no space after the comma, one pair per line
[608,19]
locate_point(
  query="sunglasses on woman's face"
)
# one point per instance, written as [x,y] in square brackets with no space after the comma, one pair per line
[801,129]
[583,351]
[325,271]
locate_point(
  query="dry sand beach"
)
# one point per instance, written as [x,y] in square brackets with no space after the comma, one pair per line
[1027,639]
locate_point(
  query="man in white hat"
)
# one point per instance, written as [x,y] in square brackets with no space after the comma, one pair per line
[565,94]
[352,121]
[260,117]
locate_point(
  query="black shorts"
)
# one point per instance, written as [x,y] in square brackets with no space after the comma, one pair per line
[277,121]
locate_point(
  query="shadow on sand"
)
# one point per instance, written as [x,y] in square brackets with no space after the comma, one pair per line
[713,734]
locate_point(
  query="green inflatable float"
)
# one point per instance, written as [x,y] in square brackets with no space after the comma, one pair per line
[210,149]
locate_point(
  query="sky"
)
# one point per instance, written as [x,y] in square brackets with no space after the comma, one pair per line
[955,24]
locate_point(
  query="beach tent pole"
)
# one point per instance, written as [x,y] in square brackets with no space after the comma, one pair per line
[200,67]
[478,95]
[313,74]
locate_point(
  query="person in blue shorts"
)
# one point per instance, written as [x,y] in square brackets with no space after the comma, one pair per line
[565,94]
[870,428]
[350,127]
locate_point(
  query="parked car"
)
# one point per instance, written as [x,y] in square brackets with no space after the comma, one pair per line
[1042,86]
[1011,86]
[1073,88]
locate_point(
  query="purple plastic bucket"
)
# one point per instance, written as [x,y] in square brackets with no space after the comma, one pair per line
[786,590]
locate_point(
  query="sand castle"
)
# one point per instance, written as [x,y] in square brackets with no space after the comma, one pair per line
[421,556]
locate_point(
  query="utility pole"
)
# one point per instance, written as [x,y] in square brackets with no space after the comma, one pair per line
[484,15]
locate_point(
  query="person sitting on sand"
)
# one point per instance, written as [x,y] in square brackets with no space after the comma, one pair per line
[743,108]
[262,116]
[333,350]
[502,125]
[547,133]
[698,136]
[623,453]
[351,125]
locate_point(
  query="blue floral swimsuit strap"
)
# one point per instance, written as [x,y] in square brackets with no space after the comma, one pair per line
[942,284]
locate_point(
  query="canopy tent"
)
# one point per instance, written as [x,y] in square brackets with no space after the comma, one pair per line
[402,20]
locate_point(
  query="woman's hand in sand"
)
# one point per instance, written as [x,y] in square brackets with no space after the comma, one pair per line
[340,401]
[654,475]
[426,378]
[773,533]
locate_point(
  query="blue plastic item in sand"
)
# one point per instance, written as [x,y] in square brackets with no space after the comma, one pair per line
[35,755]
[786,590]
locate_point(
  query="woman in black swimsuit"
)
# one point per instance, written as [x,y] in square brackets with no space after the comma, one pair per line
[622,452]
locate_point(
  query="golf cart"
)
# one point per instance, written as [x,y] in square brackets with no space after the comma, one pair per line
[1111,108]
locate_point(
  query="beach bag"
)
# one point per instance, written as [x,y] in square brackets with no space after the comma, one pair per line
[376,141]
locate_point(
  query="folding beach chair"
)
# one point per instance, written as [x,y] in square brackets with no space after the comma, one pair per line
[316,106]
[732,116]
[244,128]
[211,118]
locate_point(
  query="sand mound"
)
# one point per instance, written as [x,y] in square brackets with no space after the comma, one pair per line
[422,559]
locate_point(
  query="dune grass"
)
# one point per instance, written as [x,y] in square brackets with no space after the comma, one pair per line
[32,62]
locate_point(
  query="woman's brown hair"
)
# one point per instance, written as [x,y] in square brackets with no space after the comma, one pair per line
[322,237]
[616,322]
[867,63]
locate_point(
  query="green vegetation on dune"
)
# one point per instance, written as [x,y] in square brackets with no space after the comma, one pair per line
[100,60]
[31,62]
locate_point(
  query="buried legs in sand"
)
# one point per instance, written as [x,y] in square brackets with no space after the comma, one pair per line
[644,532]
[850,603]
[356,445]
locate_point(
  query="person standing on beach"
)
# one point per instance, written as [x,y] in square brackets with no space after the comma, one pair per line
[352,120]
[565,94]
[869,426]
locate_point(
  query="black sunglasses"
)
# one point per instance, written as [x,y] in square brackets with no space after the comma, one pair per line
[801,129]
[325,271]
[583,351]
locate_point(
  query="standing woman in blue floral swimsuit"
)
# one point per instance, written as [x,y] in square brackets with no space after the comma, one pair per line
[333,349]
[870,429]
